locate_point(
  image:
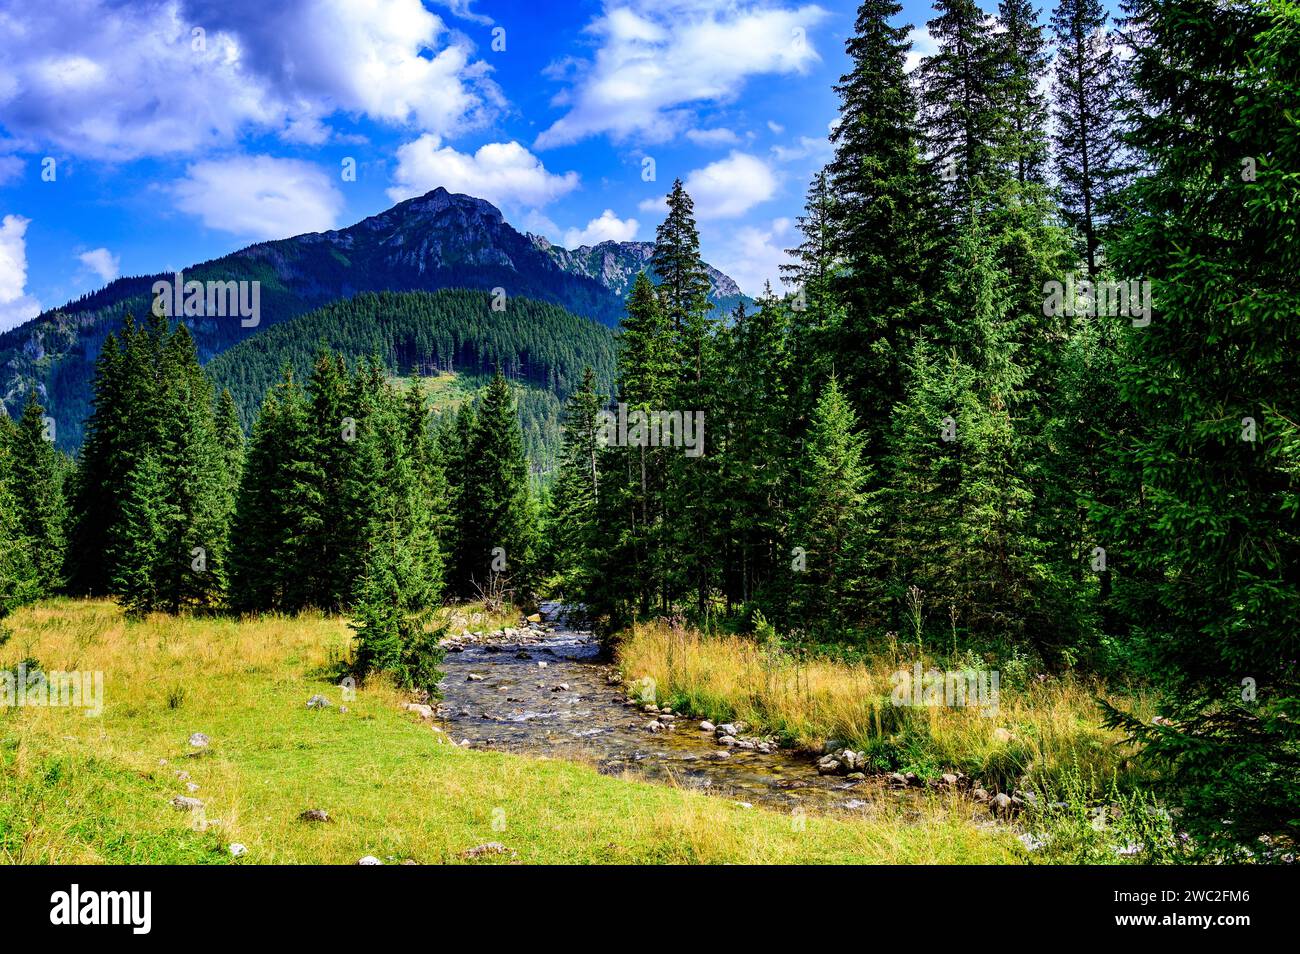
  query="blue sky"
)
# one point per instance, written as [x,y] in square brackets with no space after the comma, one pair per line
[171,146]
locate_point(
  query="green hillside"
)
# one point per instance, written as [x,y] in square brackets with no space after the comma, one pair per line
[451,338]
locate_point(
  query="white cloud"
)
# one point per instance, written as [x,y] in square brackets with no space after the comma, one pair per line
[16,306]
[775,127]
[923,45]
[504,173]
[102,262]
[725,189]
[754,255]
[607,228]
[657,59]
[259,197]
[461,8]
[117,81]
[536,222]
[712,137]
[11,167]
[805,147]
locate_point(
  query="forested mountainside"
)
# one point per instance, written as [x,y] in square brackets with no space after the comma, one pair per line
[438,240]
[537,345]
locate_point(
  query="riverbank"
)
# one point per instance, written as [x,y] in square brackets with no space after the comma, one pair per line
[112,788]
[1040,730]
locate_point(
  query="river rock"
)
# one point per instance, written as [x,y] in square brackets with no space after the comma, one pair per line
[707,726]
[1002,805]
[727,728]
[727,740]
[560,687]
[474,677]
[828,765]
[423,711]
[489,848]
[535,618]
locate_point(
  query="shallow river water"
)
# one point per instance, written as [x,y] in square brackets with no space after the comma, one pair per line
[548,693]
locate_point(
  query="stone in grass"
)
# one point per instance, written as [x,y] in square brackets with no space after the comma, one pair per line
[318,702]
[314,815]
[1003,805]
[199,741]
[183,803]
[370,860]
[489,848]
[191,787]
[237,850]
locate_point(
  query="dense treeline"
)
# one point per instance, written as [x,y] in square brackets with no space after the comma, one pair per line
[1028,397]
[536,345]
[944,431]
[530,342]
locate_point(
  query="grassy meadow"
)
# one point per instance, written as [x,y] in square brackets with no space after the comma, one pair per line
[81,789]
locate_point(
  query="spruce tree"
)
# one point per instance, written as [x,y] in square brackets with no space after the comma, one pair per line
[37,484]
[831,519]
[1024,59]
[1084,92]
[691,504]
[143,562]
[1208,556]
[964,113]
[497,532]
[882,222]
[19,578]
[575,501]
[633,530]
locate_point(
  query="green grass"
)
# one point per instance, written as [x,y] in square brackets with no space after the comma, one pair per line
[75,789]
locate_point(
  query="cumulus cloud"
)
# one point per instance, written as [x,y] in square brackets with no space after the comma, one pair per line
[11,167]
[725,189]
[804,147]
[754,255]
[656,59]
[16,306]
[712,137]
[119,81]
[259,197]
[102,262]
[607,228]
[504,173]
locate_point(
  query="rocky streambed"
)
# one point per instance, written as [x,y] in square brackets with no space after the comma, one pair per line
[544,688]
